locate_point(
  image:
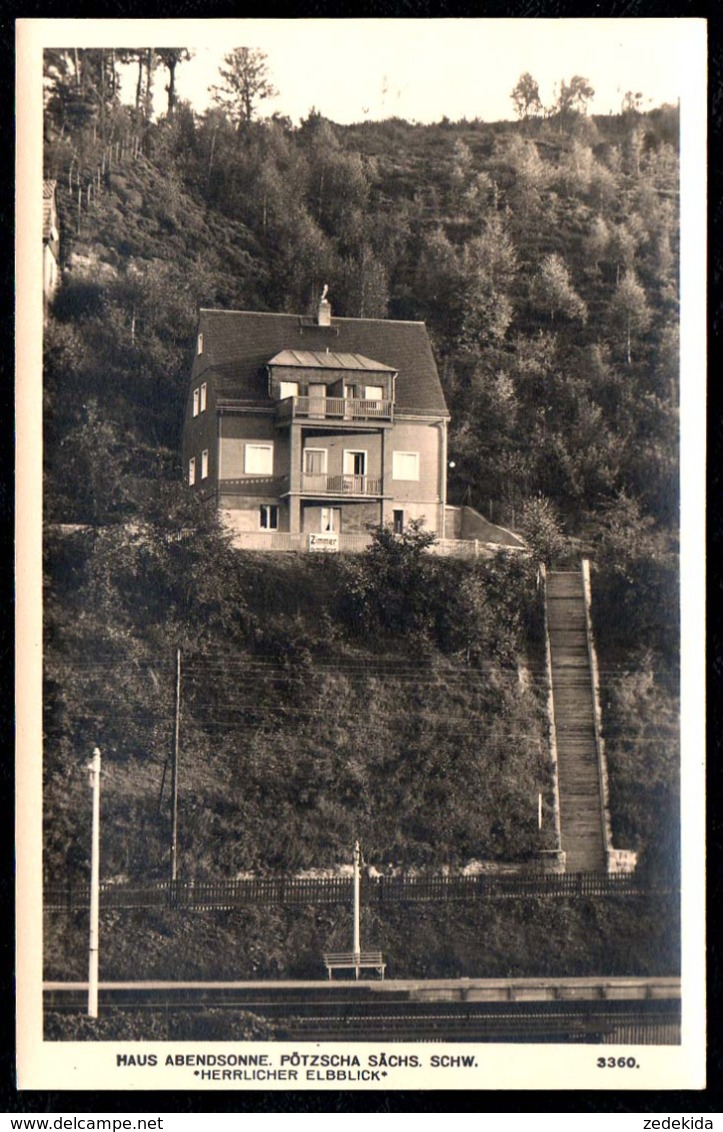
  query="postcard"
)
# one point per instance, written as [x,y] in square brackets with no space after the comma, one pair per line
[360,408]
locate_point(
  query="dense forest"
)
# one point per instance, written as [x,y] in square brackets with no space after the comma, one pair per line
[542,254]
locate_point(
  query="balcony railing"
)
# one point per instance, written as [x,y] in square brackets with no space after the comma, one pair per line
[318,484]
[337,409]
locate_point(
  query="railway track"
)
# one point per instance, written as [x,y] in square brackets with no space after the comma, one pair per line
[605,1011]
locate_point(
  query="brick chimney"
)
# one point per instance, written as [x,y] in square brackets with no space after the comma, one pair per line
[324,308]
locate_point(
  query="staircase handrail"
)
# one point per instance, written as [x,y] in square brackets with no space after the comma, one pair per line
[597,711]
[552,724]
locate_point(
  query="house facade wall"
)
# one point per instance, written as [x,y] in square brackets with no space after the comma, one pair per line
[235,432]
[200,431]
[423,498]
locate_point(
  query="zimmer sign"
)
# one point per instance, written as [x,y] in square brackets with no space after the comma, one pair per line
[326,542]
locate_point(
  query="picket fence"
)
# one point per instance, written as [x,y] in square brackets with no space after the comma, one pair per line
[293,890]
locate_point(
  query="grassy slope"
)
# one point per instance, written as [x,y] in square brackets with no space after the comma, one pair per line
[496,939]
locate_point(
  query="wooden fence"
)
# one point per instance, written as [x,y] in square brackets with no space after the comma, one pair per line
[290,890]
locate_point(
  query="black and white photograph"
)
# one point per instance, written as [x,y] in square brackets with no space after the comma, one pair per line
[360,479]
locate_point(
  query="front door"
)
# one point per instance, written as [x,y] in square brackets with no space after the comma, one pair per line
[355,463]
[317,400]
[355,470]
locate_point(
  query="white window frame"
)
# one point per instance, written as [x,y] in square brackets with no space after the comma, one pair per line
[331,526]
[192,471]
[203,397]
[325,461]
[196,396]
[270,511]
[204,464]
[256,446]
[376,395]
[355,452]
[199,344]
[395,471]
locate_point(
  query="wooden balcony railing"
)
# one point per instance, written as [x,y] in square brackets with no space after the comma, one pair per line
[338,409]
[341,485]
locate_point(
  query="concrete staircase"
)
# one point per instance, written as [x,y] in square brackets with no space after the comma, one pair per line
[572,691]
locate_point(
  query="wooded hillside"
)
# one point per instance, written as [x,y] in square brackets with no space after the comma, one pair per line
[542,254]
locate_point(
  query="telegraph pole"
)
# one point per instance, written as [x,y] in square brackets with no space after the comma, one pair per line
[174,770]
[94,768]
[356,945]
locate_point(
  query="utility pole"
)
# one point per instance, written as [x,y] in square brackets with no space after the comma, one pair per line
[356,945]
[174,770]
[94,768]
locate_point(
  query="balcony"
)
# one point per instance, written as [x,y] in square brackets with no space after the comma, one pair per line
[338,410]
[344,485]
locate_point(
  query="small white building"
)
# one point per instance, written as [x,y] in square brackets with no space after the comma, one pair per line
[51,245]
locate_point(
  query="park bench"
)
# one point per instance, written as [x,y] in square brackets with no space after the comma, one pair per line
[355,961]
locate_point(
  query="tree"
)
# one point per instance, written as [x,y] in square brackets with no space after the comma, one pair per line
[170,57]
[147,61]
[526,97]
[553,291]
[572,99]
[488,266]
[541,529]
[389,586]
[245,83]
[518,160]
[575,95]
[629,310]
[597,241]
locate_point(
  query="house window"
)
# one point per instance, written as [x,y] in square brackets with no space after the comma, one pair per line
[269,517]
[199,344]
[259,459]
[374,393]
[355,463]
[405,466]
[398,522]
[204,389]
[192,471]
[288,389]
[315,461]
[330,519]
[204,464]
[196,394]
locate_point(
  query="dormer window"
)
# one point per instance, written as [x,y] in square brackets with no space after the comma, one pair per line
[204,390]
[199,344]
[196,401]
[288,389]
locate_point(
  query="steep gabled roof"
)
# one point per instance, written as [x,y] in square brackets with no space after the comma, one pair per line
[237,345]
